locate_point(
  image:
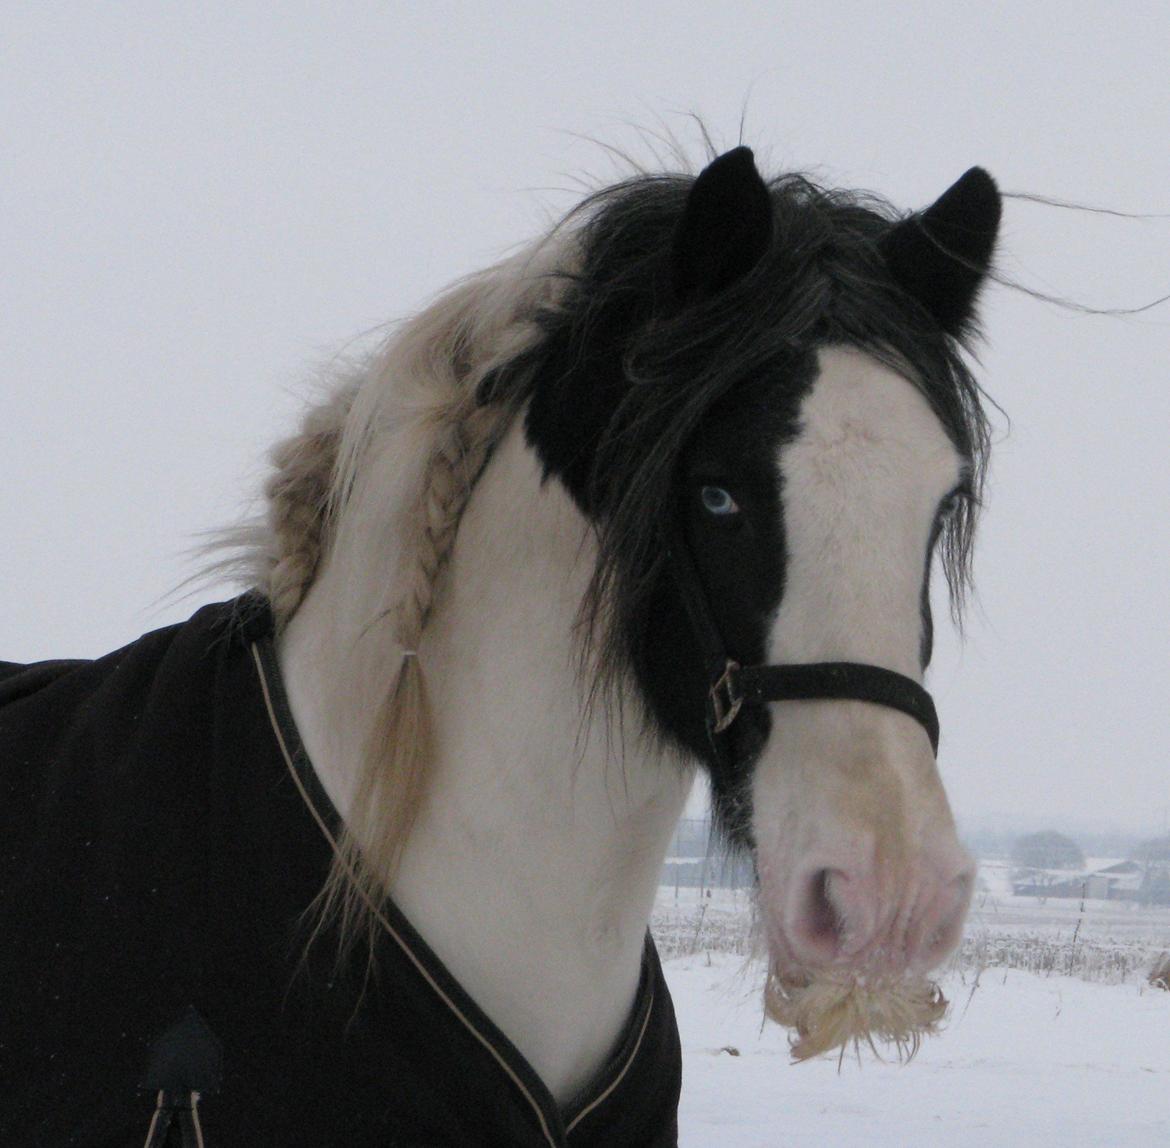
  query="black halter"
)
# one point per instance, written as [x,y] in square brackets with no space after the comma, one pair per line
[734,686]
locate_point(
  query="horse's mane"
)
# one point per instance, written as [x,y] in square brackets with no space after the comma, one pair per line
[415,398]
[396,447]
[393,451]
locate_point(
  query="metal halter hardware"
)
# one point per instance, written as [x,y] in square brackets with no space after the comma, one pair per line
[724,698]
[733,686]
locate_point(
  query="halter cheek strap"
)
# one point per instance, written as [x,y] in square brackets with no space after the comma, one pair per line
[734,686]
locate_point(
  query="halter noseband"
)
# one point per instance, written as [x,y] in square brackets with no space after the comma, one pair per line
[733,686]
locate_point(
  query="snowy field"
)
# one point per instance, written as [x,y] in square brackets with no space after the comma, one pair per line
[1030,1055]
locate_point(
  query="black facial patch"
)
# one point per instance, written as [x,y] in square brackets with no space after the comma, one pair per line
[740,559]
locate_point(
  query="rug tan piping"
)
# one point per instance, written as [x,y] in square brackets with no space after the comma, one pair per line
[381,918]
[617,1079]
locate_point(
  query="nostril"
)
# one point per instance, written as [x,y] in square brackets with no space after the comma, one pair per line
[820,919]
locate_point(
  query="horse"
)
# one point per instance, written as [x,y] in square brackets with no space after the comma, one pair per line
[367,854]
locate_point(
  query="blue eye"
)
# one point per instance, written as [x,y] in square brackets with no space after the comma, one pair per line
[717,501]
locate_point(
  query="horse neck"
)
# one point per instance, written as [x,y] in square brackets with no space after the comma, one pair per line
[533,864]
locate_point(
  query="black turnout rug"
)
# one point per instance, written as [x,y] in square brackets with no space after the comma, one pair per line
[161,836]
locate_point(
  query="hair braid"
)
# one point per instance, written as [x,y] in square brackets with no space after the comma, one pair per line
[392,787]
[460,452]
[424,397]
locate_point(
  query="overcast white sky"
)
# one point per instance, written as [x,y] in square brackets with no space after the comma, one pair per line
[201,202]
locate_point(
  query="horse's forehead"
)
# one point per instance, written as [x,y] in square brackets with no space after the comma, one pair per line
[861,485]
[863,425]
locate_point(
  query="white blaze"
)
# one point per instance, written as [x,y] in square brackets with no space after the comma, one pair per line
[856,846]
[862,483]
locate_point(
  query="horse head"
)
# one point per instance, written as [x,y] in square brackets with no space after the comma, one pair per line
[760,385]
[705,413]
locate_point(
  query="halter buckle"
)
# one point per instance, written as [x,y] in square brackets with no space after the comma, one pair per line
[725,698]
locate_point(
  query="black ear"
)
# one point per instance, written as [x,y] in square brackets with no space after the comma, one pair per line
[941,255]
[725,228]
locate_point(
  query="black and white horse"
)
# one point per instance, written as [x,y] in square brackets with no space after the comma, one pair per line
[559,545]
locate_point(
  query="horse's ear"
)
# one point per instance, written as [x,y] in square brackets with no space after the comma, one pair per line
[942,255]
[725,227]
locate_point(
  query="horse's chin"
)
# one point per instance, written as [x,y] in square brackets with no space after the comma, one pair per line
[832,1009]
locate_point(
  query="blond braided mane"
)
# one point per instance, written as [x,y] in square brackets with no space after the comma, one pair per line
[417,403]
[392,787]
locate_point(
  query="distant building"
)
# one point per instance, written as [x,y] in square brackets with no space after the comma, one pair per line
[1120,881]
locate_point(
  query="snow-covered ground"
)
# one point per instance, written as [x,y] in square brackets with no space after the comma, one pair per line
[1025,1059]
